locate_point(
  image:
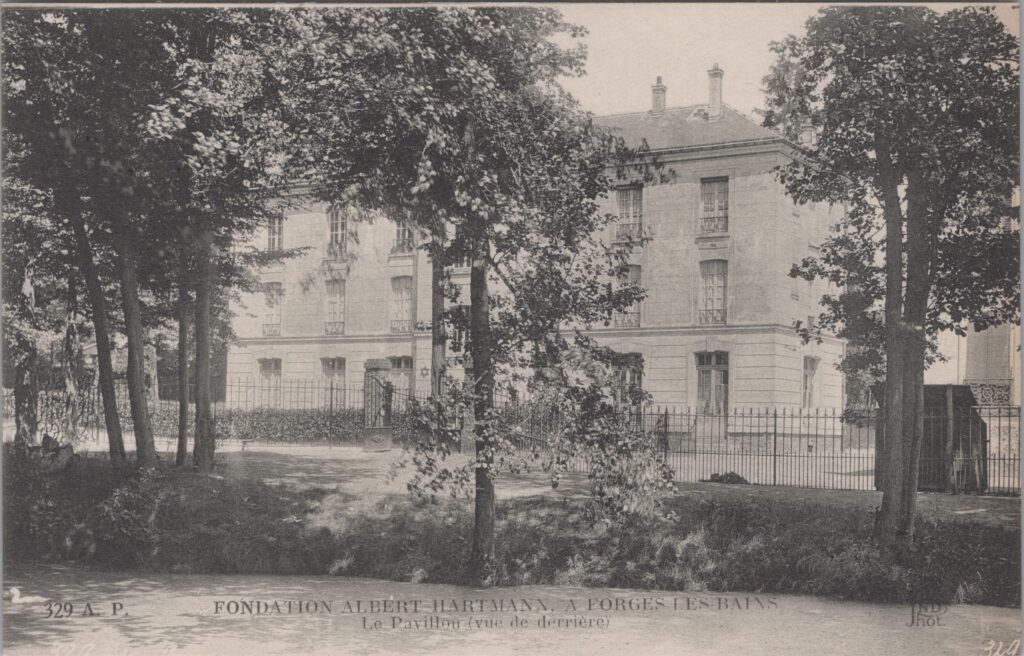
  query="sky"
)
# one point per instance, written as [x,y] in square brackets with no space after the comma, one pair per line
[630,45]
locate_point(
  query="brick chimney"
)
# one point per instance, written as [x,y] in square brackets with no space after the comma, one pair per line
[715,92]
[658,97]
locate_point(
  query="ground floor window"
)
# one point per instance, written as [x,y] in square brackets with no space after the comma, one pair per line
[627,378]
[808,397]
[713,382]
[401,371]
[270,381]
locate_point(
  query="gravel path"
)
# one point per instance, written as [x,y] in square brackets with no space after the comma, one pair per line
[165,614]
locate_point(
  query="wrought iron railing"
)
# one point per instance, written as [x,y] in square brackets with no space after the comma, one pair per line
[334,327]
[627,319]
[711,317]
[271,330]
[629,231]
[402,245]
[400,326]
[714,223]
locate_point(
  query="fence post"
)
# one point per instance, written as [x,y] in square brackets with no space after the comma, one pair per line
[775,451]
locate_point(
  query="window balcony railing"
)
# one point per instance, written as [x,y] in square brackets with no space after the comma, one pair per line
[334,327]
[629,231]
[714,223]
[711,317]
[271,330]
[400,326]
[627,319]
[402,245]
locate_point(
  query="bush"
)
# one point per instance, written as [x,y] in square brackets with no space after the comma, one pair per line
[179,521]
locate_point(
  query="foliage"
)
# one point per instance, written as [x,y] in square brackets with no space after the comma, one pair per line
[939,93]
[188,523]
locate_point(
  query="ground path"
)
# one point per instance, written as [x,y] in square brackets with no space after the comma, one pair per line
[165,614]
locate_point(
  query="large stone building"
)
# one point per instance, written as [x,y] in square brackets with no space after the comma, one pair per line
[716,244]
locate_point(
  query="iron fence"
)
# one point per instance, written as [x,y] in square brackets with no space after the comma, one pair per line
[967,450]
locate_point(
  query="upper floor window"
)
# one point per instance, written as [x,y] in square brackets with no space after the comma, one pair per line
[631,213]
[337,228]
[808,398]
[274,300]
[334,307]
[630,316]
[275,232]
[714,279]
[714,205]
[401,304]
[403,239]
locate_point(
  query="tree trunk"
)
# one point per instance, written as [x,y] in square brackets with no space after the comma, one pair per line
[26,391]
[98,301]
[182,453]
[204,440]
[71,358]
[438,335]
[145,448]
[887,520]
[920,246]
[482,556]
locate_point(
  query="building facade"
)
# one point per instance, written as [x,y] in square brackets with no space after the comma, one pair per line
[714,247]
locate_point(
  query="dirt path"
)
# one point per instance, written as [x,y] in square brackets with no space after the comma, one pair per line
[355,471]
[163,614]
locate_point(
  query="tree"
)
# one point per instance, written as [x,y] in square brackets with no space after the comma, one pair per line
[916,121]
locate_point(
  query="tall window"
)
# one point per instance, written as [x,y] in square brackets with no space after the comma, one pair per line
[274,292]
[631,213]
[270,381]
[713,382]
[630,317]
[403,239]
[714,277]
[337,229]
[275,232]
[401,304]
[627,378]
[401,371]
[333,371]
[714,205]
[808,398]
[334,307]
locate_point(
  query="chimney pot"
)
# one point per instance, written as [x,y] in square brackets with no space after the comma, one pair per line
[715,91]
[658,97]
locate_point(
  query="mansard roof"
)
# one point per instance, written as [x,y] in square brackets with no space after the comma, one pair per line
[686,127]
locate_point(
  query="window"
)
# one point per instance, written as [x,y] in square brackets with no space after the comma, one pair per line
[629,317]
[270,381]
[458,327]
[627,378]
[714,205]
[404,242]
[334,381]
[400,362]
[713,382]
[401,372]
[337,230]
[275,233]
[333,369]
[401,304]
[808,398]
[631,213]
[272,318]
[334,307]
[713,275]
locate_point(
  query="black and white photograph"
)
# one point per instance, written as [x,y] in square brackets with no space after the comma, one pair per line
[511,328]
